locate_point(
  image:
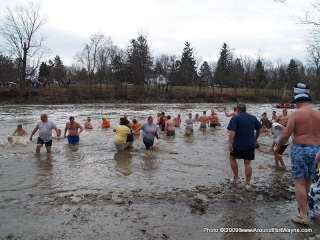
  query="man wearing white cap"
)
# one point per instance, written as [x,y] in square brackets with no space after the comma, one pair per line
[304,124]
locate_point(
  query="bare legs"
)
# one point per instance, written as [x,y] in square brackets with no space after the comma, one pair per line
[302,186]
[247,169]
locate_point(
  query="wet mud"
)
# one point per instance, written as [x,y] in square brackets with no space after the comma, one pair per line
[181,190]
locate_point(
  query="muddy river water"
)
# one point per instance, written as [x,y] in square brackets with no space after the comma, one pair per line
[180,190]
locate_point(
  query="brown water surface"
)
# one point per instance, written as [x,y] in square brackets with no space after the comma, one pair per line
[89,191]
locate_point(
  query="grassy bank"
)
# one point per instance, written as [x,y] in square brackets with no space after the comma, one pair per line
[136,94]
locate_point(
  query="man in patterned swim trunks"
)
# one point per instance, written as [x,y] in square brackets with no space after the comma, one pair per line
[314,193]
[304,124]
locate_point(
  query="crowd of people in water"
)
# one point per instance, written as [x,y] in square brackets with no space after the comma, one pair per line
[244,130]
[127,130]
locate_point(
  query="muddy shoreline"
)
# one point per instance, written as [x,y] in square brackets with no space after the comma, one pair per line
[146,214]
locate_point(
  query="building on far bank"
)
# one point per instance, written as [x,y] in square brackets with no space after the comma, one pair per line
[156,80]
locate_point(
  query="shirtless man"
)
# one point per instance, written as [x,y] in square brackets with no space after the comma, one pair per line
[304,124]
[283,118]
[196,118]
[169,127]
[214,120]
[274,116]
[87,124]
[177,121]
[73,127]
[20,131]
[204,121]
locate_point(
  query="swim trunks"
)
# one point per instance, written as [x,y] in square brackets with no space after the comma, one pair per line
[203,125]
[213,125]
[303,160]
[47,144]
[73,139]
[314,194]
[243,154]
[171,132]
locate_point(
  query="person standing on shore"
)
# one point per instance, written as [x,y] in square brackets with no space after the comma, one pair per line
[276,131]
[304,126]
[72,127]
[244,131]
[45,127]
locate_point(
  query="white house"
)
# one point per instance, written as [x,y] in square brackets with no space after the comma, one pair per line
[156,80]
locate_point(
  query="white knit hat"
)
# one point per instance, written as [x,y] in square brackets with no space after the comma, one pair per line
[301,92]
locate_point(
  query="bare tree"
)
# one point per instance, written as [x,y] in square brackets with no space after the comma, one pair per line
[311,17]
[19,32]
[88,57]
[104,57]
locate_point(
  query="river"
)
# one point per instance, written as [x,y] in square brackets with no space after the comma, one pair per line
[89,191]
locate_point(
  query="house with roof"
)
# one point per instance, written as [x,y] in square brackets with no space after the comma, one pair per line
[155,80]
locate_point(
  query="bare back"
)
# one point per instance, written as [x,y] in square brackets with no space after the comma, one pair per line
[204,118]
[169,125]
[305,125]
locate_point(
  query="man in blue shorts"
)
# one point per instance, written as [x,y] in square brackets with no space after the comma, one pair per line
[244,131]
[304,124]
[74,129]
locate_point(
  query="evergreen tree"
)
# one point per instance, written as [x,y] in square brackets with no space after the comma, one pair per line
[59,70]
[139,59]
[119,68]
[8,71]
[206,78]
[44,71]
[174,70]
[237,74]
[222,71]
[188,69]
[293,75]
[260,78]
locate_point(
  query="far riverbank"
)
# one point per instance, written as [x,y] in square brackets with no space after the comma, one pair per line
[139,94]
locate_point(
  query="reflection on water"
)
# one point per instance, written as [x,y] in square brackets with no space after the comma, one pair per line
[44,162]
[123,162]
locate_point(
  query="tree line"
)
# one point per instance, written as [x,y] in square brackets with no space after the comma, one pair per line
[102,62]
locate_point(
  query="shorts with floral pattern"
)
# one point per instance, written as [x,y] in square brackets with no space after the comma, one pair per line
[303,160]
[314,195]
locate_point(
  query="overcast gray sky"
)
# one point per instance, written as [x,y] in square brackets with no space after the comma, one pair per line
[247,26]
